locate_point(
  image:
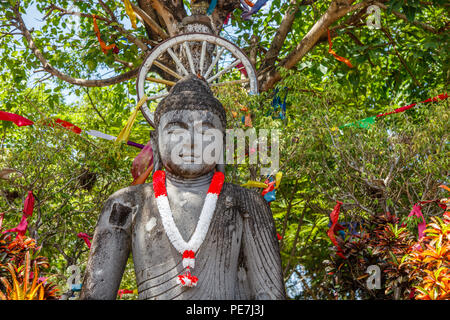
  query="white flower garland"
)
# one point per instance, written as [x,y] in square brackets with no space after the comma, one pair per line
[188,249]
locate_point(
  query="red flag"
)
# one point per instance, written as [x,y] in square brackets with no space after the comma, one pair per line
[21,228]
[28,205]
[18,120]
[441,96]
[68,125]
[85,237]
[334,216]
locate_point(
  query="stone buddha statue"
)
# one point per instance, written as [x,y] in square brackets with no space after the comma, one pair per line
[191,235]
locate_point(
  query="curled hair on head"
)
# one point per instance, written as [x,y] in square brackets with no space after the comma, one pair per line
[190,93]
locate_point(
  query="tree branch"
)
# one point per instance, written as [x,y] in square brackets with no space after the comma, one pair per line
[150,22]
[415,22]
[53,71]
[280,36]
[335,11]
[391,41]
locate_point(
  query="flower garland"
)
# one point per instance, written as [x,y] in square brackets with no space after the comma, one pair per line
[187,249]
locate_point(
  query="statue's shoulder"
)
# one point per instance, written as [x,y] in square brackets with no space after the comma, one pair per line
[132,194]
[245,197]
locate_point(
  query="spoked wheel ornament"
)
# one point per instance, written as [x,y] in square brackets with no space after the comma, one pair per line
[213,58]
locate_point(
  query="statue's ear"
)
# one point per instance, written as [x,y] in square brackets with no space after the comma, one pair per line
[157,165]
[220,166]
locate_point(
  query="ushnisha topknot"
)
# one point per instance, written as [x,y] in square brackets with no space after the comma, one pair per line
[190,93]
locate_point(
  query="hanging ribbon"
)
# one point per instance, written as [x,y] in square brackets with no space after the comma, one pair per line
[18,120]
[142,165]
[125,133]
[342,59]
[334,216]
[247,12]
[365,123]
[21,228]
[85,237]
[130,12]
[278,177]
[21,121]
[1,219]
[276,103]
[254,184]
[417,211]
[105,136]
[28,207]
[142,161]
[269,192]
[104,47]
[248,120]
[211,7]
[68,125]
[442,96]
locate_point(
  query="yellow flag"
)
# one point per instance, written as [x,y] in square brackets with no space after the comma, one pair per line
[254,184]
[130,13]
[278,179]
[125,133]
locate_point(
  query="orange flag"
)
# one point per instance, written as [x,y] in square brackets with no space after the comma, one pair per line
[345,60]
[104,47]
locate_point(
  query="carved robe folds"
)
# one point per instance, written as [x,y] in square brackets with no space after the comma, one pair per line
[239,258]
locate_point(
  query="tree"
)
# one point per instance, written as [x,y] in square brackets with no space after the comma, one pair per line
[413,36]
[402,62]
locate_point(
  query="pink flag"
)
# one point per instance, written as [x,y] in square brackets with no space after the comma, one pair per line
[417,211]
[142,161]
[18,120]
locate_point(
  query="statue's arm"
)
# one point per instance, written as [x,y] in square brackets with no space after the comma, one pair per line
[261,249]
[109,250]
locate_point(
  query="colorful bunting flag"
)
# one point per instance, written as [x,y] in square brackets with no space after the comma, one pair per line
[125,133]
[254,184]
[363,123]
[18,120]
[367,122]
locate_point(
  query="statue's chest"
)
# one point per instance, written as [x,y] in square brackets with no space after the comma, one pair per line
[158,263]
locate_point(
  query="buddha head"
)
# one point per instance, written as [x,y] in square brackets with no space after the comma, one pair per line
[190,128]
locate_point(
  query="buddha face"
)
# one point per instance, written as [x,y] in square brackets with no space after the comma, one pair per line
[190,142]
